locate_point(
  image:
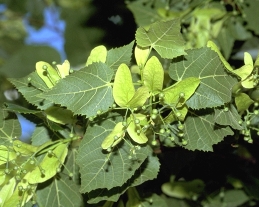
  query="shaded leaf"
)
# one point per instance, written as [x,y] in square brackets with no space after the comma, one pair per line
[40,136]
[9,128]
[100,169]
[164,37]
[59,191]
[31,89]
[141,55]
[216,84]
[228,118]
[243,101]
[117,56]
[202,133]
[147,171]
[85,91]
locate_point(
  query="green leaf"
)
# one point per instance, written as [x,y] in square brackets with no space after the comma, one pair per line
[249,9]
[143,12]
[20,109]
[54,160]
[202,133]
[186,87]
[117,56]
[228,118]
[123,88]
[164,37]
[139,98]
[59,115]
[59,191]
[40,136]
[214,47]
[9,128]
[153,75]
[147,171]
[216,84]
[156,201]
[31,89]
[6,155]
[243,101]
[98,54]
[100,169]
[85,91]
[132,129]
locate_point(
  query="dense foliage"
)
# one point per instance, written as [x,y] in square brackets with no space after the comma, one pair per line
[168,98]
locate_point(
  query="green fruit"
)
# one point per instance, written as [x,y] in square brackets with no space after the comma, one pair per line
[153,116]
[154,111]
[162,131]
[154,142]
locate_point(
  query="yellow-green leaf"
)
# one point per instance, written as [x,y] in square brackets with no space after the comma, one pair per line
[153,75]
[64,69]
[47,73]
[50,164]
[139,98]
[171,117]
[135,132]
[24,148]
[98,54]
[7,191]
[185,87]
[114,137]
[123,88]
[6,155]
[248,60]
[141,55]
[244,71]
[59,115]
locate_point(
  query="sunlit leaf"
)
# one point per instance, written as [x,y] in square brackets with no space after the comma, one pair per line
[141,55]
[171,117]
[24,148]
[98,54]
[85,91]
[153,75]
[135,132]
[54,160]
[118,132]
[6,155]
[123,88]
[164,37]
[7,191]
[216,84]
[47,73]
[185,87]
[63,69]
[202,133]
[139,98]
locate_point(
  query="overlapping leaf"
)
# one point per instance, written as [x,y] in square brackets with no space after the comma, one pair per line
[100,169]
[202,133]
[164,37]
[120,55]
[147,171]
[31,89]
[85,91]
[9,128]
[216,84]
[60,191]
[228,118]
